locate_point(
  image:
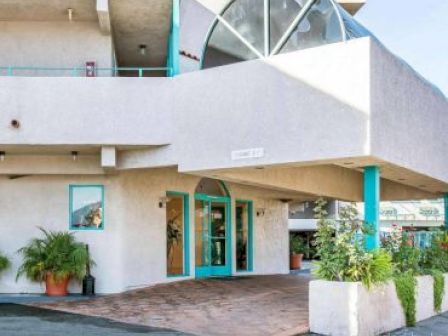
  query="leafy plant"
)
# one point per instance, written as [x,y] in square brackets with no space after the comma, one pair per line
[407,258]
[406,285]
[58,253]
[439,290]
[435,257]
[341,249]
[297,245]
[4,263]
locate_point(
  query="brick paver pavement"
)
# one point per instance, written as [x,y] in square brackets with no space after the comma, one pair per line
[255,305]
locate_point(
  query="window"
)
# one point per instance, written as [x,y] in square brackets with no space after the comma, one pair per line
[86,207]
[251,29]
[244,236]
[177,235]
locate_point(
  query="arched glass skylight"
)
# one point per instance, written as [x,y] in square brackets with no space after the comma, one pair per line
[250,29]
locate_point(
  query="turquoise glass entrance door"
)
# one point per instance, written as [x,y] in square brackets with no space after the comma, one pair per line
[212,236]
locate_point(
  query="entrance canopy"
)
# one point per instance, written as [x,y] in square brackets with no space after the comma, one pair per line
[250,29]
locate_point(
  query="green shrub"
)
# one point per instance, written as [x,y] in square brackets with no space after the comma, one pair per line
[407,258]
[297,245]
[435,257]
[439,290]
[4,263]
[340,247]
[406,285]
[58,253]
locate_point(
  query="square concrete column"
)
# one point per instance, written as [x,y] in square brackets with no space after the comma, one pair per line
[372,205]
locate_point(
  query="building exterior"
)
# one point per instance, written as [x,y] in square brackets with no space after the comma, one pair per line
[171,135]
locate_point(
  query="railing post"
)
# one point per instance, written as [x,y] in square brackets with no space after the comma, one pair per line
[140,72]
[372,205]
[10,71]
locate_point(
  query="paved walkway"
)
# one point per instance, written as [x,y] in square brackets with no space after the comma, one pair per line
[19,320]
[256,305]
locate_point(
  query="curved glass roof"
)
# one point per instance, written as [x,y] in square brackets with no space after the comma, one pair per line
[250,29]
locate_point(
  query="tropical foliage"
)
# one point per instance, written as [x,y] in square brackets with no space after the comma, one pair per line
[340,247]
[4,262]
[405,285]
[297,245]
[58,253]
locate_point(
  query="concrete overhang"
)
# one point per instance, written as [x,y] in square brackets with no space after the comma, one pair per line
[342,106]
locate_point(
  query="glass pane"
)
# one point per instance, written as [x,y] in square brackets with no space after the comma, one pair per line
[247,18]
[218,230]
[320,26]
[225,48]
[242,233]
[175,235]
[283,13]
[201,233]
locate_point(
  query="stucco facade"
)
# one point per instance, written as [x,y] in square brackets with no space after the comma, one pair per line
[276,128]
[131,250]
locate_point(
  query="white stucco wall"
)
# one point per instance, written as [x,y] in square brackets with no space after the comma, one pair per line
[53,44]
[348,308]
[131,251]
[409,117]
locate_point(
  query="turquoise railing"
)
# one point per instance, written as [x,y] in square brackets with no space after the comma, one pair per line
[81,71]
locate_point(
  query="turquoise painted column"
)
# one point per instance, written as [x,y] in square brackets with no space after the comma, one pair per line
[372,205]
[445,198]
[174,41]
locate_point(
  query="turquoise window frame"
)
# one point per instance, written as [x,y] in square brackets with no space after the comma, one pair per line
[186,234]
[250,234]
[71,189]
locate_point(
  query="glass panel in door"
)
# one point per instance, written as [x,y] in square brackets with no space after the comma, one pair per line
[218,234]
[202,250]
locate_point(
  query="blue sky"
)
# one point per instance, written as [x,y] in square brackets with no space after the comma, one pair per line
[417,31]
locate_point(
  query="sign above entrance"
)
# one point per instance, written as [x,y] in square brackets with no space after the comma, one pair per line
[250,153]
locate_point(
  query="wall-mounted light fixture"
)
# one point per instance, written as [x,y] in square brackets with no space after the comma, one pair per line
[70,14]
[163,201]
[2,156]
[74,155]
[142,48]
[260,212]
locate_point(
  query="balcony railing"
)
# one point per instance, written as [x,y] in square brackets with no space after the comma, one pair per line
[18,71]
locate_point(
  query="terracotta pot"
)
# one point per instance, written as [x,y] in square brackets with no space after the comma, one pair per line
[295,261]
[444,246]
[56,288]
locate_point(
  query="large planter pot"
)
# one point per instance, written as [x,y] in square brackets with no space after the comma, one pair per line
[295,261]
[349,309]
[56,288]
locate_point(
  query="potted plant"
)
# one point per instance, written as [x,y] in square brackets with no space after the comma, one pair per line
[56,258]
[4,263]
[297,248]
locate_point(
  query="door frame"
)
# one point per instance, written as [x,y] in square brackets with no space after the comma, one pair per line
[210,271]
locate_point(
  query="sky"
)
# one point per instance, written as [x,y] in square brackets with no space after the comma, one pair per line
[415,30]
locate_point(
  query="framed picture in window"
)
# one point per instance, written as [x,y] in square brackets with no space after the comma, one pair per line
[86,207]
